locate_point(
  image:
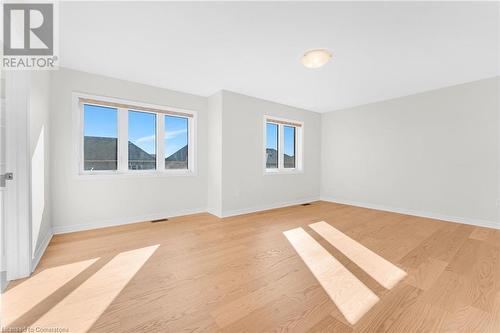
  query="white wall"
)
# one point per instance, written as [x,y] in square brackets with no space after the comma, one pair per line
[39,115]
[86,202]
[435,153]
[244,186]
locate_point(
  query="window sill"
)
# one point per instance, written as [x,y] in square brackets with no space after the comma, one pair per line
[273,172]
[135,174]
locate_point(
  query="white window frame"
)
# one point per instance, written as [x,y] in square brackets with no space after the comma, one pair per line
[122,153]
[299,146]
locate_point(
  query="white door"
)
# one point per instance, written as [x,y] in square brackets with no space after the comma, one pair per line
[3,274]
[15,229]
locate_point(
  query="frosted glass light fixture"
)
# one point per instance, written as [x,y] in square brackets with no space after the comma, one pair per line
[315,58]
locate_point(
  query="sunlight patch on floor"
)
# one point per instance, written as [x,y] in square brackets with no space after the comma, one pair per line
[18,300]
[381,270]
[81,308]
[349,294]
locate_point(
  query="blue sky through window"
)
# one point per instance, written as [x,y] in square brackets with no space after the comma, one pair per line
[289,133]
[142,130]
[272,136]
[176,134]
[100,121]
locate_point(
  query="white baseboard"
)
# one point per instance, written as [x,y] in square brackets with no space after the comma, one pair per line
[436,216]
[116,222]
[267,207]
[40,250]
[122,221]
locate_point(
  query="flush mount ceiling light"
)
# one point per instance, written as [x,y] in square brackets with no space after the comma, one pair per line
[315,58]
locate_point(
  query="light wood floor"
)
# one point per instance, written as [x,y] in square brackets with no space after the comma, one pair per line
[200,273]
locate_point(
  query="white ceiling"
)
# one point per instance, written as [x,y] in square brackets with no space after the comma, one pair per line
[380,50]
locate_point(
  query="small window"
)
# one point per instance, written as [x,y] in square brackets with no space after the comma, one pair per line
[271,146]
[100,138]
[141,140]
[283,145]
[289,147]
[176,142]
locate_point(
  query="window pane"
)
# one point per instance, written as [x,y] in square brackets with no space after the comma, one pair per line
[141,140]
[271,146]
[289,147]
[176,142]
[100,138]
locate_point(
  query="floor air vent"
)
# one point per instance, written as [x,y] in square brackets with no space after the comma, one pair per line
[306,204]
[160,220]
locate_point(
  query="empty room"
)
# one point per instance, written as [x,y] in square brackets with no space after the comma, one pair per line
[250,166]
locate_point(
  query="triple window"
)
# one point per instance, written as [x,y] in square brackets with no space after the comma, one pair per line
[283,145]
[118,137]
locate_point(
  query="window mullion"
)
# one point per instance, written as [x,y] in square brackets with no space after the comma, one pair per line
[191,145]
[122,140]
[295,147]
[299,148]
[160,142]
[281,151]
[81,136]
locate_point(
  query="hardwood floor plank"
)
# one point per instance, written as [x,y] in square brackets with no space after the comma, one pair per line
[421,317]
[495,314]
[242,307]
[483,279]
[295,312]
[425,275]
[445,292]
[481,234]
[466,319]
[330,324]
